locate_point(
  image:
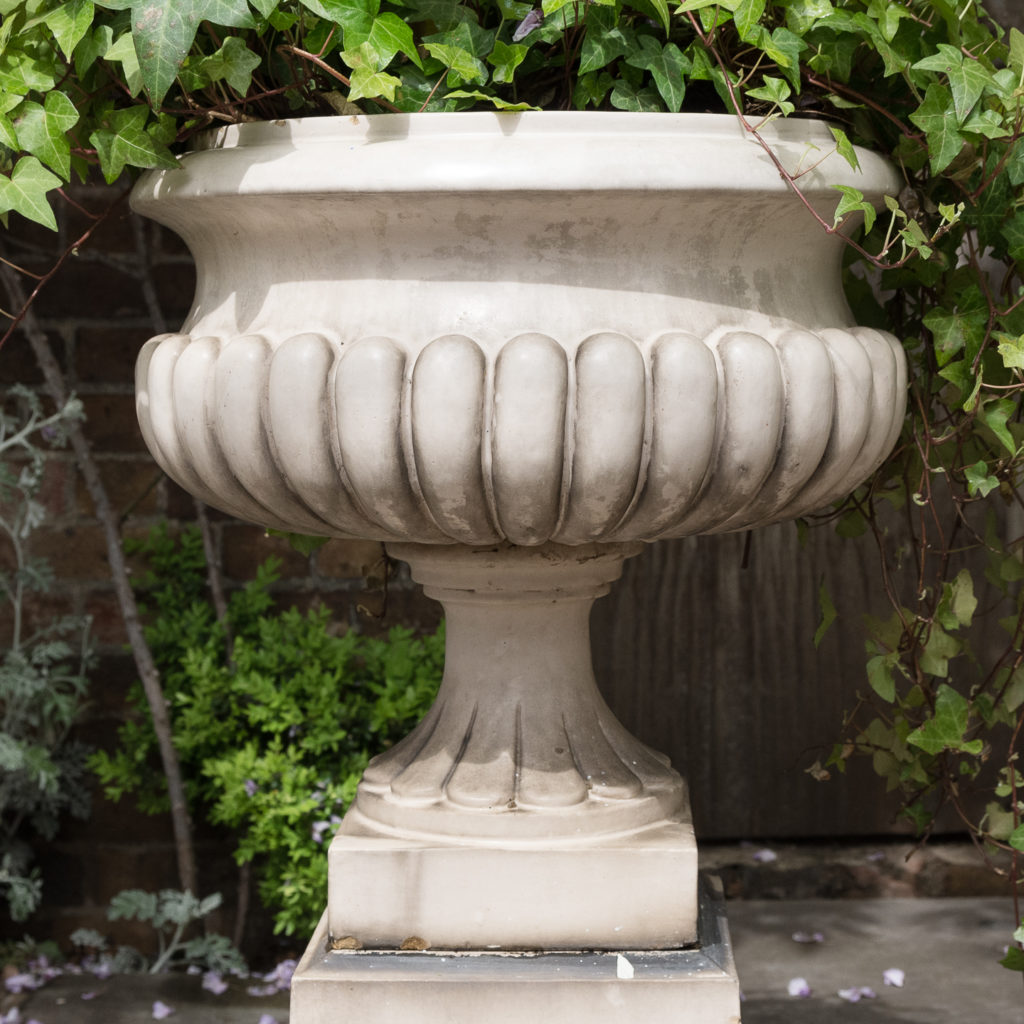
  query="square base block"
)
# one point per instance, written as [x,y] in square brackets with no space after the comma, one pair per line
[636,892]
[687,986]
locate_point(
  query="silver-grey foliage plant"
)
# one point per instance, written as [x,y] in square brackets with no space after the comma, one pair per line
[43,668]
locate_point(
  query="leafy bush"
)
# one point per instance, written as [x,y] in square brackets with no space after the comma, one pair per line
[42,673]
[274,718]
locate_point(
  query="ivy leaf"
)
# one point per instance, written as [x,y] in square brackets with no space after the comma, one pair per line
[661,9]
[777,91]
[988,123]
[1012,351]
[746,17]
[462,50]
[938,649]
[967,78]
[7,136]
[958,603]
[390,35]
[496,101]
[945,729]
[93,46]
[42,130]
[458,61]
[505,58]
[628,97]
[370,83]
[937,118]
[355,17]
[784,47]
[979,481]
[123,51]
[845,147]
[1016,839]
[994,415]
[234,63]
[853,201]
[69,22]
[880,676]
[604,42]
[124,142]
[232,13]
[667,66]
[828,615]
[802,14]
[1014,959]
[25,191]
[163,32]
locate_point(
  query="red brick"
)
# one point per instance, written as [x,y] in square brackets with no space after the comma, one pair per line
[132,485]
[349,559]
[18,364]
[175,287]
[107,621]
[38,610]
[166,243]
[74,552]
[246,547]
[110,678]
[111,424]
[86,288]
[179,504]
[115,234]
[107,354]
[56,485]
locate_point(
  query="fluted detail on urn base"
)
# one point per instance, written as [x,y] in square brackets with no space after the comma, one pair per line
[519,790]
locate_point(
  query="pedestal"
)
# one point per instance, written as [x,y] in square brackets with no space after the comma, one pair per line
[687,986]
[520,814]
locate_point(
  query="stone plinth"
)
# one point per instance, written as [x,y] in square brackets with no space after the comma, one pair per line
[687,986]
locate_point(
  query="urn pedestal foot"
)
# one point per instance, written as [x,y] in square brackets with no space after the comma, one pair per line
[520,814]
[697,985]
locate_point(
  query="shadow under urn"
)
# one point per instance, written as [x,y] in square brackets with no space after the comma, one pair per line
[516,347]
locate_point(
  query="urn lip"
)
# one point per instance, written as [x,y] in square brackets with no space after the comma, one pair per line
[532,151]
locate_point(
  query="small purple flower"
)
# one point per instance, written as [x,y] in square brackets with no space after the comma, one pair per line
[161,1010]
[101,969]
[262,990]
[876,856]
[894,976]
[319,828]
[214,983]
[764,856]
[798,988]
[89,995]
[251,789]
[528,24]
[857,993]
[808,936]
[21,983]
[266,1018]
[281,975]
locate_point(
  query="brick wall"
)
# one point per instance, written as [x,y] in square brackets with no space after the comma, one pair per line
[96,315]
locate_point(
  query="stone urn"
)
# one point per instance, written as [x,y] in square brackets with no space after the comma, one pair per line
[515,347]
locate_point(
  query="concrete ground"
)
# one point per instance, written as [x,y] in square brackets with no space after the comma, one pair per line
[948,949]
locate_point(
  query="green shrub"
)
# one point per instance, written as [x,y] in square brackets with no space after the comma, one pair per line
[274,718]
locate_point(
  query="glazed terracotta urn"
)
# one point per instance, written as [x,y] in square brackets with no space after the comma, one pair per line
[515,348]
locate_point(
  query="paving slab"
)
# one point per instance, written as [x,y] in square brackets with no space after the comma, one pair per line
[948,948]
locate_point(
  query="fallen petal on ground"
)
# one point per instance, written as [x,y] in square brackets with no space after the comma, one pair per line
[798,988]
[894,976]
